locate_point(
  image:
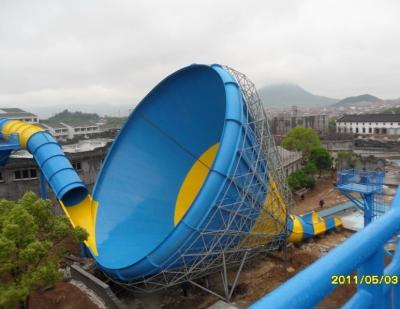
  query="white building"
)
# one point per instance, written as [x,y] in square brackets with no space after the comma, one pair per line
[369,124]
[63,131]
[58,130]
[18,114]
[81,129]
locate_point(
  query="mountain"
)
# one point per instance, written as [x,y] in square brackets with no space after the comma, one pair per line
[364,98]
[74,117]
[285,95]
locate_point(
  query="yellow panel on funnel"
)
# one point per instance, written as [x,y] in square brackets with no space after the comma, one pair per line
[271,220]
[84,215]
[193,182]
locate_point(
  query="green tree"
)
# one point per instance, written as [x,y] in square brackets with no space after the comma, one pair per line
[32,242]
[332,126]
[73,117]
[300,179]
[346,159]
[321,158]
[310,168]
[301,139]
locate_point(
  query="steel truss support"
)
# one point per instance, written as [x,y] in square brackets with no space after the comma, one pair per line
[235,242]
[228,288]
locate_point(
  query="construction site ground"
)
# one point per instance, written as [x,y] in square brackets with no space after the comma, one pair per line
[259,276]
[324,190]
[266,272]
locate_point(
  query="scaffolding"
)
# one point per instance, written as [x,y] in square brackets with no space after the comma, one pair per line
[365,190]
[241,237]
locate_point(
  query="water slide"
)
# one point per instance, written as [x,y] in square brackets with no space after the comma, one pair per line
[162,179]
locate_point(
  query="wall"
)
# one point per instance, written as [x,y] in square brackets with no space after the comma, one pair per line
[282,124]
[392,128]
[10,188]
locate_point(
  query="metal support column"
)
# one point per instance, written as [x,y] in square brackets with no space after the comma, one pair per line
[368,211]
[43,186]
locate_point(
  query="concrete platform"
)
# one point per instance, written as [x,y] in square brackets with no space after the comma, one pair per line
[222,305]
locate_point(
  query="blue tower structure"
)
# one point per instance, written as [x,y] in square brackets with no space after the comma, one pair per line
[369,185]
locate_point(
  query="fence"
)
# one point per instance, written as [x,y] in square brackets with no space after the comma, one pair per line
[364,253]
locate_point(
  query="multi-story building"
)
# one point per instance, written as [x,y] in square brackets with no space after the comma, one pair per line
[281,124]
[63,131]
[58,130]
[291,160]
[81,129]
[369,124]
[21,174]
[18,114]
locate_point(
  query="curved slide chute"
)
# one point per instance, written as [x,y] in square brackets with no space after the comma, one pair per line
[163,176]
[59,173]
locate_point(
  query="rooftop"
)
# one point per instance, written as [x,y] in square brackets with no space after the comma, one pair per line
[370,118]
[54,125]
[14,113]
[288,156]
[81,146]
[78,124]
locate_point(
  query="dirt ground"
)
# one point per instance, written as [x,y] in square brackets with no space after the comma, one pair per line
[62,296]
[260,276]
[324,189]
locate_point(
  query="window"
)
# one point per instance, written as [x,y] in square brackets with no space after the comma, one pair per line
[25,174]
[391,123]
[384,131]
[356,130]
[370,130]
[77,166]
[1,177]
[363,130]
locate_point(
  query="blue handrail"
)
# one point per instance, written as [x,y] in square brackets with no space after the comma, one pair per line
[364,252]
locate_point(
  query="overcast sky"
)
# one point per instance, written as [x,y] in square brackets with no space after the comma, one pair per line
[95,53]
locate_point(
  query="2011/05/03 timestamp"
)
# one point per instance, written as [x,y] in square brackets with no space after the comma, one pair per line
[364,279]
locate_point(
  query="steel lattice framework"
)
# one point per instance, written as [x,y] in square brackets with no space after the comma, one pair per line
[233,245]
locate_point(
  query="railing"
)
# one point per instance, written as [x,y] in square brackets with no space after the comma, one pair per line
[364,253]
[353,178]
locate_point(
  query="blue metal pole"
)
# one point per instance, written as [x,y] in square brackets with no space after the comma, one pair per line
[360,300]
[367,272]
[368,211]
[311,285]
[43,186]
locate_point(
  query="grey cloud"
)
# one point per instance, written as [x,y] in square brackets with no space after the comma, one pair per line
[86,53]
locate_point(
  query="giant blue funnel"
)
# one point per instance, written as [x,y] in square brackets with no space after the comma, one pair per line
[162,177]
